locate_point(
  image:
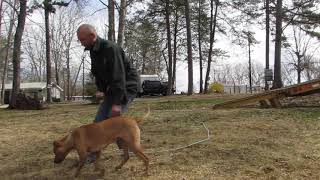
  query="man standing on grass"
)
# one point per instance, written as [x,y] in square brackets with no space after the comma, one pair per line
[115,78]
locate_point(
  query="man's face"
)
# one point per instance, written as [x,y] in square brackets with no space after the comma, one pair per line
[86,38]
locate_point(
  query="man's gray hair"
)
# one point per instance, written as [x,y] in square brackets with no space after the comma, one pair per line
[87,27]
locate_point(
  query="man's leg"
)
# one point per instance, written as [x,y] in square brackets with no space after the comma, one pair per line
[105,109]
[104,112]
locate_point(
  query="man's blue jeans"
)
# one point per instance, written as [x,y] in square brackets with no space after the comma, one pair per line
[105,108]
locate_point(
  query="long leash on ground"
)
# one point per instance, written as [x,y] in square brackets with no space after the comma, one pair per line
[177,148]
[183,147]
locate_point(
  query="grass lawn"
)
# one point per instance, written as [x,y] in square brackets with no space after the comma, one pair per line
[245,143]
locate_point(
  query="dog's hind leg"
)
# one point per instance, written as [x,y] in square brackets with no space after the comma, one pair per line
[136,148]
[125,155]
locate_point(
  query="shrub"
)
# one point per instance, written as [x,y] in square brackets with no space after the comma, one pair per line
[216,88]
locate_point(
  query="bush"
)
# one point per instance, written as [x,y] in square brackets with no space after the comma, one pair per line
[216,88]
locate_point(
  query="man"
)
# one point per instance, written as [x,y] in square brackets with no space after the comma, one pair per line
[115,78]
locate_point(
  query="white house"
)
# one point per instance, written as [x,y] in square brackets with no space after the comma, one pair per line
[34,90]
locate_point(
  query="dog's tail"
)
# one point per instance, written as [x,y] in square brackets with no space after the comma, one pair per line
[145,116]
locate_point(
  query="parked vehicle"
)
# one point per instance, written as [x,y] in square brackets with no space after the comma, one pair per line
[152,85]
[154,88]
[143,77]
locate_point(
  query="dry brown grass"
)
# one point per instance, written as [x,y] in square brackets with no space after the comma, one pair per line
[246,143]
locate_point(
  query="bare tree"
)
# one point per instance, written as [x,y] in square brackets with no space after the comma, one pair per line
[17,52]
[1,17]
[251,41]
[33,48]
[301,53]
[66,22]
[48,8]
[213,24]
[7,48]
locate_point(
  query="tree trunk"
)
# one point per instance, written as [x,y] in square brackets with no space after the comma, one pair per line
[250,73]
[175,37]
[213,23]
[267,40]
[122,22]
[277,83]
[48,58]
[56,67]
[17,52]
[83,79]
[143,69]
[1,17]
[199,44]
[6,56]
[68,76]
[111,32]
[299,53]
[299,69]
[189,44]
[169,92]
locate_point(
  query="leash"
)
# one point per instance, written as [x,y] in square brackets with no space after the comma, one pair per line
[178,148]
[183,147]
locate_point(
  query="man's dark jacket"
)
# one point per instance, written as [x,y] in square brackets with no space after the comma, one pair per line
[113,72]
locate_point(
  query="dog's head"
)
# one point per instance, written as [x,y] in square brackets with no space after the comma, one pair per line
[60,150]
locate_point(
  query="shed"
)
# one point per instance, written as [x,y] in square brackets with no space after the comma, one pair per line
[36,90]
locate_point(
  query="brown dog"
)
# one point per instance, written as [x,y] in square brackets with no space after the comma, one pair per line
[94,137]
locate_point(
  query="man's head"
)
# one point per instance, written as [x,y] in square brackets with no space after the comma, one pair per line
[87,35]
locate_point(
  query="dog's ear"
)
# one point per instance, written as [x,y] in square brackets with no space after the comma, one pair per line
[56,143]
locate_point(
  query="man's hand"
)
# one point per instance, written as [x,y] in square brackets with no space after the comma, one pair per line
[116,110]
[99,94]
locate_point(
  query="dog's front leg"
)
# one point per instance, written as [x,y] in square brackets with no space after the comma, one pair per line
[82,159]
[96,162]
[81,163]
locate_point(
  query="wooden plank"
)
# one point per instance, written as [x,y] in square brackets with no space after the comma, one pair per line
[273,96]
[247,100]
[303,88]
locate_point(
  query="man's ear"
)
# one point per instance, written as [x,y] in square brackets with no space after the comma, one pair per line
[56,143]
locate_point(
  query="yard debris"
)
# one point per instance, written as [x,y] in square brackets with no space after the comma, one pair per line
[27,103]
